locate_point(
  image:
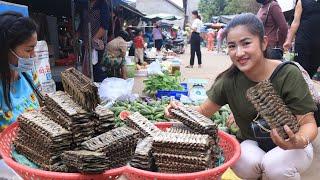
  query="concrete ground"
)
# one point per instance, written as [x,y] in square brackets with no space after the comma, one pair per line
[213,64]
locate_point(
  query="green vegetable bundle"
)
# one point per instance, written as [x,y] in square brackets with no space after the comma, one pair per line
[221,117]
[154,110]
[162,82]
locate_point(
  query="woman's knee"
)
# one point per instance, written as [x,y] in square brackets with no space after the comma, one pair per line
[277,170]
[249,164]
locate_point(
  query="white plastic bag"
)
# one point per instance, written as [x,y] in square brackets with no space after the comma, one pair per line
[154,68]
[113,88]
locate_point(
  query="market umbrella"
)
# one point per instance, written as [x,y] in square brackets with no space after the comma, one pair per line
[161,16]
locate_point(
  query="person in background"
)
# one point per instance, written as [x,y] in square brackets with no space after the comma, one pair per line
[139,47]
[98,15]
[291,157]
[306,28]
[220,39]
[210,39]
[173,33]
[17,42]
[180,33]
[114,57]
[195,39]
[275,26]
[157,36]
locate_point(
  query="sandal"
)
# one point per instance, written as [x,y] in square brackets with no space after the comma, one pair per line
[189,66]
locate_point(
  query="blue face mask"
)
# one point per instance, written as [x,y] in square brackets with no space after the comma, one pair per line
[24,64]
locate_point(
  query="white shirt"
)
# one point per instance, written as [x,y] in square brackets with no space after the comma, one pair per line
[197,24]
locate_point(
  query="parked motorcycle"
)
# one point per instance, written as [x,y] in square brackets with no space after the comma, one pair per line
[175,45]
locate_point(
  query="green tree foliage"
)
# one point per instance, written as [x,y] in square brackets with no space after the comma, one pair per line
[209,8]
[240,6]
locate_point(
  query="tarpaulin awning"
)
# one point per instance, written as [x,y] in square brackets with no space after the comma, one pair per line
[164,16]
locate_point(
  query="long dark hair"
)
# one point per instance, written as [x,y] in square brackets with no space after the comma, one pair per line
[14,31]
[196,13]
[254,26]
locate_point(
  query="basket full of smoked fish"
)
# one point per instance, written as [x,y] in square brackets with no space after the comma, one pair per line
[72,137]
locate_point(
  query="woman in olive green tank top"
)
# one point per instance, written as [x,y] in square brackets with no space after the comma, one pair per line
[246,46]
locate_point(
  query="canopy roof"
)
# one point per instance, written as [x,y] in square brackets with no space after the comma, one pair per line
[164,16]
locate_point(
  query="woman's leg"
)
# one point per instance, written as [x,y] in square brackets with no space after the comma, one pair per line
[209,45]
[248,166]
[136,55]
[198,48]
[192,49]
[141,55]
[286,164]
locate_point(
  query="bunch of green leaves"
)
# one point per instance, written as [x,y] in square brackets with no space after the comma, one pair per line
[153,111]
[162,82]
[221,117]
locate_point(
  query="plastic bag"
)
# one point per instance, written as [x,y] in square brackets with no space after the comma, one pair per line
[42,67]
[154,68]
[113,88]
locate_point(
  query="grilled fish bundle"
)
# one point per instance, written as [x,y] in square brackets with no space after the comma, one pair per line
[85,161]
[142,158]
[183,153]
[180,128]
[196,121]
[272,108]
[42,140]
[118,145]
[146,127]
[103,119]
[70,115]
[81,88]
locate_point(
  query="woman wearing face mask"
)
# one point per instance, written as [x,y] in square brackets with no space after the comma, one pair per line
[195,39]
[275,26]
[18,38]
[246,45]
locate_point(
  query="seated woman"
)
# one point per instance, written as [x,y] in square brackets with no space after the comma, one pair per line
[114,57]
[17,42]
[290,157]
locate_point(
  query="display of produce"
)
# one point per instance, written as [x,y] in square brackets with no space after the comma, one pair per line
[143,158]
[152,110]
[272,108]
[70,115]
[183,153]
[162,82]
[85,161]
[51,140]
[146,127]
[81,88]
[220,118]
[118,144]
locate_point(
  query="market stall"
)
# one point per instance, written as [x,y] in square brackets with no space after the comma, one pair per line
[84,135]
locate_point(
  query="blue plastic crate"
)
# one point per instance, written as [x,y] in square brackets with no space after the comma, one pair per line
[176,94]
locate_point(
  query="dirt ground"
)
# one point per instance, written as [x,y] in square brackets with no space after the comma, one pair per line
[212,65]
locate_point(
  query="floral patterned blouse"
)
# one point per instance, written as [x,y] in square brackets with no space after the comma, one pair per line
[22,98]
